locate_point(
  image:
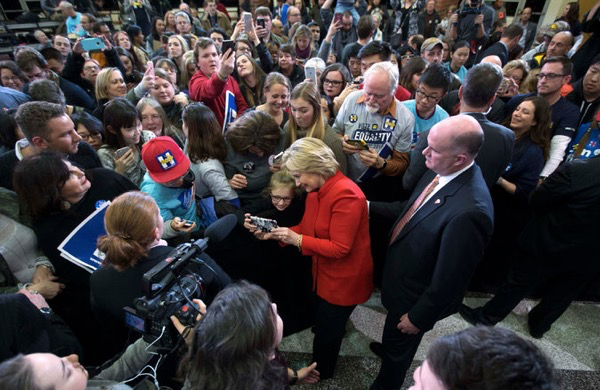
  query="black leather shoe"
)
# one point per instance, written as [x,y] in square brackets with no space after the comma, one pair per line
[376,348]
[470,315]
[533,333]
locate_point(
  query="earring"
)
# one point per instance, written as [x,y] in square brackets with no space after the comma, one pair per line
[64,205]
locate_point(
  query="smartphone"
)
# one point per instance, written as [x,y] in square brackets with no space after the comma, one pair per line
[260,22]
[120,152]
[229,44]
[504,86]
[310,72]
[337,18]
[248,22]
[276,159]
[150,66]
[91,44]
[359,143]
[264,224]
[187,223]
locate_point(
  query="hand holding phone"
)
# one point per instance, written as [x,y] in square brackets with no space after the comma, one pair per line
[264,224]
[248,22]
[358,143]
[228,44]
[337,18]
[120,152]
[310,72]
[91,44]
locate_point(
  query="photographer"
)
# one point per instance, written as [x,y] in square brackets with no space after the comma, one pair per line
[472,22]
[235,345]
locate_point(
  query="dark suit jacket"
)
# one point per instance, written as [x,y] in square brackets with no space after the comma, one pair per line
[429,265]
[493,158]
[497,49]
[566,210]
[529,32]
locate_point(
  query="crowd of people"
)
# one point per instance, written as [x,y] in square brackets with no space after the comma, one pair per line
[395,145]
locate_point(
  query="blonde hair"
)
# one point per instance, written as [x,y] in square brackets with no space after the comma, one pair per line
[184,45]
[103,80]
[309,92]
[517,64]
[130,222]
[303,31]
[310,155]
[529,84]
[282,179]
[188,58]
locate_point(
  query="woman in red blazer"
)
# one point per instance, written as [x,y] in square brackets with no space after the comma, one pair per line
[335,232]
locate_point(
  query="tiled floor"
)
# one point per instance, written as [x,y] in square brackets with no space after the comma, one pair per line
[573,344]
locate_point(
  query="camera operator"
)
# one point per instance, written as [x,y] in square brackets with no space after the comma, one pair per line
[472,22]
[133,246]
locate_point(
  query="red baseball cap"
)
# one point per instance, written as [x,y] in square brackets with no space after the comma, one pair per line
[164,159]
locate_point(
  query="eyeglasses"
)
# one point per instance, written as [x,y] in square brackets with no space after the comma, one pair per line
[549,76]
[423,95]
[279,199]
[10,78]
[335,83]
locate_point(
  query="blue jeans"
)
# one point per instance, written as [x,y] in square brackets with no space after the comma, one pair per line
[341,8]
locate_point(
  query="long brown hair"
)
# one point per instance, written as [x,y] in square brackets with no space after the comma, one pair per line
[259,77]
[539,133]
[130,222]
[309,92]
[205,139]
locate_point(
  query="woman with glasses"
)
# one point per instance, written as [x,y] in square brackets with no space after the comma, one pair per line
[89,128]
[334,79]
[307,121]
[11,76]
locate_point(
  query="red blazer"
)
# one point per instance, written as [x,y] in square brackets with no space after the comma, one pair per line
[335,229]
[211,92]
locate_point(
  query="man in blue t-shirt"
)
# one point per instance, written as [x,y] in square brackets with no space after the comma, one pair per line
[433,86]
[73,22]
[555,73]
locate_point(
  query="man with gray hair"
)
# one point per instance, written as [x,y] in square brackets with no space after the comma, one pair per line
[435,244]
[376,129]
[476,95]
[73,22]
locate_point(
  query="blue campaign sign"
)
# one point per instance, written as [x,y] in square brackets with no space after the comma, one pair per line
[80,247]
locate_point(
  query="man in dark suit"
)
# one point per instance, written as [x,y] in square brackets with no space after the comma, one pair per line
[508,41]
[477,94]
[559,243]
[435,244]
[529,28]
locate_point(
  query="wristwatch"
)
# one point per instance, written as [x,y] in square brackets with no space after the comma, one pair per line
[384,165]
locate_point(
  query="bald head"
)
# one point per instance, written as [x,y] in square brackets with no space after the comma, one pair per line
[492,60]
[453,144]
[560,44]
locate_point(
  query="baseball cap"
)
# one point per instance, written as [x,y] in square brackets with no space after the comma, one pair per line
[430,43]
[554,28]
[164,159]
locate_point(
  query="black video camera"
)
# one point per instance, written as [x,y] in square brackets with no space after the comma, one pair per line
[470,7]
[171,285]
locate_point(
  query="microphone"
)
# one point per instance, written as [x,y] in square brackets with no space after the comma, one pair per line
[219,230]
